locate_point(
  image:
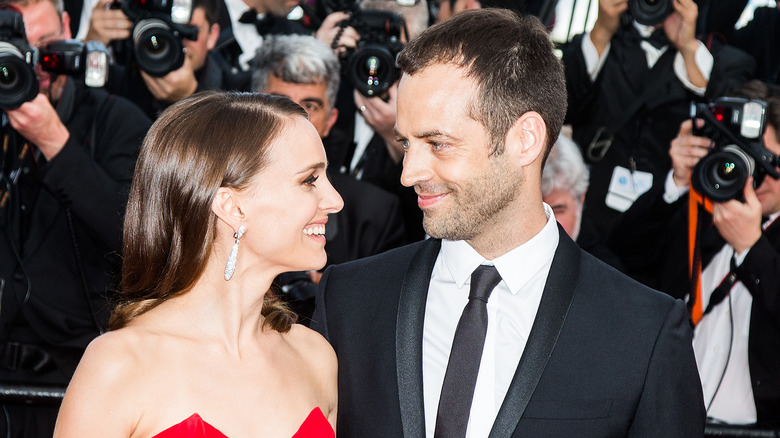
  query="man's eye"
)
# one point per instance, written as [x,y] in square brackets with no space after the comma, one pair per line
[311,106]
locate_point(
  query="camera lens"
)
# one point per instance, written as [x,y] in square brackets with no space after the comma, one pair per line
[722,175]
[18,83]
[157,50]
[372,70]
[650,12]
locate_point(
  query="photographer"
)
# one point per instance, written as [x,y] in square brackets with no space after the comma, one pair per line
[737,340]
[67,162]
[202,69]
[629,87]
[306,70]
[373,155]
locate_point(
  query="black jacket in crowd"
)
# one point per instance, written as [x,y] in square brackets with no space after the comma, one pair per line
[61,235]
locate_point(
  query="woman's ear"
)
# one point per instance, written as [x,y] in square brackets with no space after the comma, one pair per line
[227,206]
[527,138]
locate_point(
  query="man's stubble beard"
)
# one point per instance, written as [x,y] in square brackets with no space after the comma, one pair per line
[475,204]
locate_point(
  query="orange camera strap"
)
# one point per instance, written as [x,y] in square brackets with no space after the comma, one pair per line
[696,204]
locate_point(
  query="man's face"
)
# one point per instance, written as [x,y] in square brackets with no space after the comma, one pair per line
[312,97]
[43,25]
[567,209]
[769,191]
[198,50]
[462,190]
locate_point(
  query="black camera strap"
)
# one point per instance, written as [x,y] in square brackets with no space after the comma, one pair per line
[602,140]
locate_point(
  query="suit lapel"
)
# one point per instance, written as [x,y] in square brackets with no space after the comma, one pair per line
[408,338]
[556,299]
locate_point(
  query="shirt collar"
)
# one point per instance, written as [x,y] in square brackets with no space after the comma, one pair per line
[516,266]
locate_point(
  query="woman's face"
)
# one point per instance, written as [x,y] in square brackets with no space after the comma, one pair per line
[286,206]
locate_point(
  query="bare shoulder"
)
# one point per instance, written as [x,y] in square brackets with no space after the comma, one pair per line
[100,394]
[319,362]
[111,358]
[311,345]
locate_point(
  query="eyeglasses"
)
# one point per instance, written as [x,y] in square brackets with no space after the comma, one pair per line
[312,106]
[50,38]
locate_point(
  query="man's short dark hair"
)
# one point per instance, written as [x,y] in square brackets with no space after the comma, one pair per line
[209,9]
[510,57]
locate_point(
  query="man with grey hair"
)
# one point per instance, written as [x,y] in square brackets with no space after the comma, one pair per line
[372,153]
[307,71]
[564,185]
[306,65]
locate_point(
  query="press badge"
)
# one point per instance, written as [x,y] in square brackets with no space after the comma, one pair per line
[626,186]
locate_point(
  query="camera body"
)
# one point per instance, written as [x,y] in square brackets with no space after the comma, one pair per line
[650,12]
[736,127]
[18,81]
[372,67]
[158,32]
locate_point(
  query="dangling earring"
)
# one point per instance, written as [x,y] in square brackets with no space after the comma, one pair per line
[230,266]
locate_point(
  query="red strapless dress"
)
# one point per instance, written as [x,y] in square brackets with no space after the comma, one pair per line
[314,426]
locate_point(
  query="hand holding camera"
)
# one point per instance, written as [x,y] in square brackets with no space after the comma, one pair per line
[686,150]
[38,122]
[739,223]
[108,23]
[174,86]
[680,26]
[340,38]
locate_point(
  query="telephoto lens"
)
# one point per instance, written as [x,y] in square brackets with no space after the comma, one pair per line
[721,175]
[650,12]
[18,83]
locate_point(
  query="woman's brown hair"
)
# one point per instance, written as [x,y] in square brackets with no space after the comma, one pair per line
[207,141]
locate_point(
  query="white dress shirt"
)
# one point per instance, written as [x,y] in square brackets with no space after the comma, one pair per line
[703,59]
[511,308]
[245,33]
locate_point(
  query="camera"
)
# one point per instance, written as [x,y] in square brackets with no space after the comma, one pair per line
[372,67]
[736,127]
[18,81]
[158,30]
[650,12]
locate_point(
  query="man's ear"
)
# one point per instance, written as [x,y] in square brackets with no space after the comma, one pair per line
[66,25]
[527,138]
[213,37]
[226,205]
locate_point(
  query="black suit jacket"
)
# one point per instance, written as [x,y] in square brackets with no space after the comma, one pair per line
[652,240]
[605,357]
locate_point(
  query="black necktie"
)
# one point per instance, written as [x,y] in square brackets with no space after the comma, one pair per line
[460,378]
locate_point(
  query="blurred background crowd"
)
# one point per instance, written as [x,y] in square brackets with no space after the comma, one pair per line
[667,168]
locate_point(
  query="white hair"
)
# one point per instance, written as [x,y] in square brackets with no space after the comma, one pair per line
[565,170]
